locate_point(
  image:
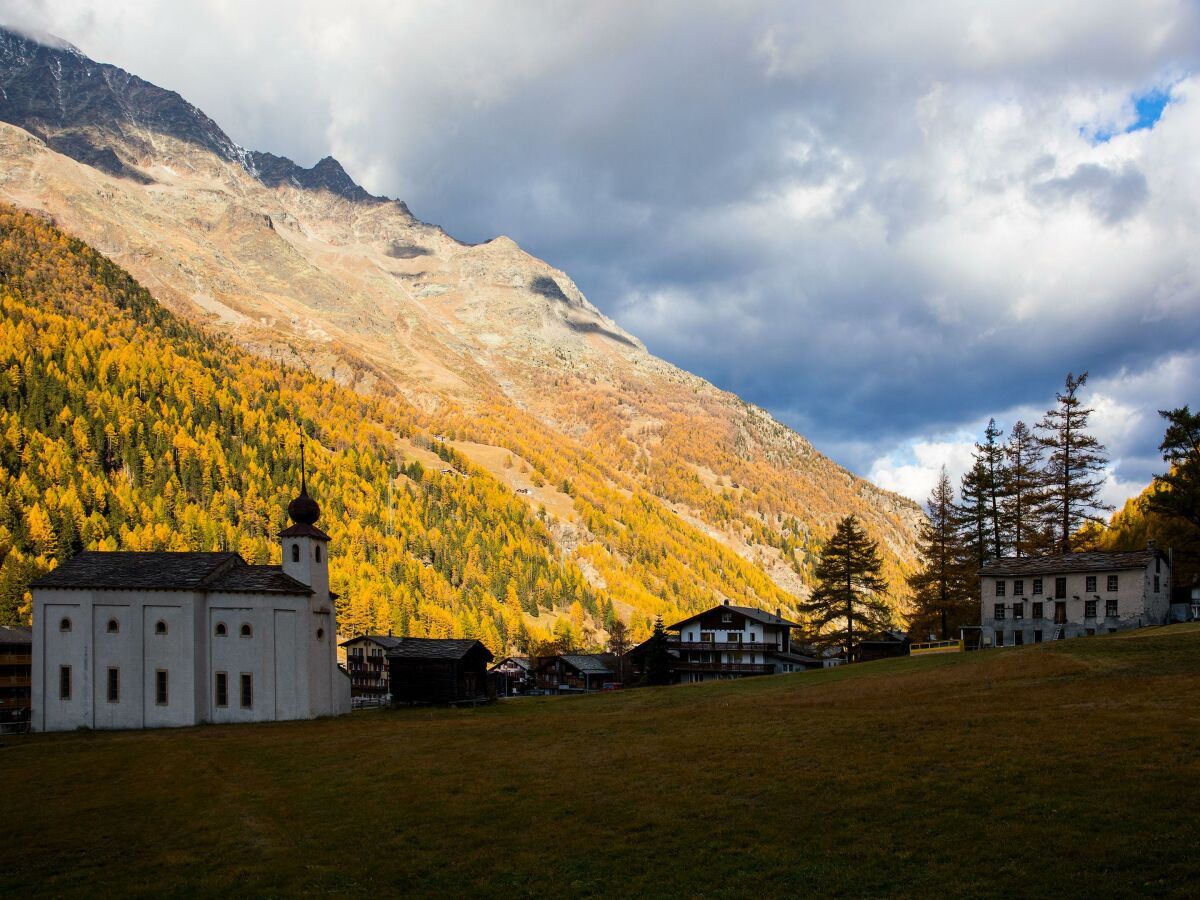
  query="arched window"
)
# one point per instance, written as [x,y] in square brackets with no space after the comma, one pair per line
[221,632]
[160,627]
[64,625]
[295,553]
[320,634]
[247,631]
[317,552]
[113,626]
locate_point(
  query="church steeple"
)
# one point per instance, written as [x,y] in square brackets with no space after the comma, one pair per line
[304,510]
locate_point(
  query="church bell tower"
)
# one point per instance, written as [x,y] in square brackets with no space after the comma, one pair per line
[305,546]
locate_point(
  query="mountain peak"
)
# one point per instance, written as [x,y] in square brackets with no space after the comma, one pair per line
[78,107]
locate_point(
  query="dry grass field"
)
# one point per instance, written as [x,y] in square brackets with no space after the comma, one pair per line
[1066,769]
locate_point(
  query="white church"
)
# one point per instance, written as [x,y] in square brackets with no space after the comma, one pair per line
[153,640]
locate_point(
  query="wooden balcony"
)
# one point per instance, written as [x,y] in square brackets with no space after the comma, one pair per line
[740,668]
[16,659]
[745,646]
[15,680]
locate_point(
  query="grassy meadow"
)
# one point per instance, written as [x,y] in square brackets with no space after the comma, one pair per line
[1069,769]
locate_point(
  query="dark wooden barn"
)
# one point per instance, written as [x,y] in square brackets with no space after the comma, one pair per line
[436,670]
[882,646]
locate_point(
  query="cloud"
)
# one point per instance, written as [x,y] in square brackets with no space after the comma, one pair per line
[882,222]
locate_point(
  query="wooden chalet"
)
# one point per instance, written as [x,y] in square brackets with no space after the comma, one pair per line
[882,646]
[575,672]
[366,664]
[438,670]
[511,676]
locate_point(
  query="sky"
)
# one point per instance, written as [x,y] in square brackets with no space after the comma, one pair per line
[883,222]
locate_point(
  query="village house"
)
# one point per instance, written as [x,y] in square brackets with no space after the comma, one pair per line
[16,675]
[511,676]
[438,670]
[569,673]
[730,641]
[1045,598]
[151,640]
[366,663]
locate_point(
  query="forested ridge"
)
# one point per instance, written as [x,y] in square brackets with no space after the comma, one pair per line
[125,427]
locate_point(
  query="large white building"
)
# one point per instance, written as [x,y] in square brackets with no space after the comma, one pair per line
[150,640]
[1027,600]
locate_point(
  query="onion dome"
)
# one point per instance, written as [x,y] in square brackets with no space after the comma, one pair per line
[304,509]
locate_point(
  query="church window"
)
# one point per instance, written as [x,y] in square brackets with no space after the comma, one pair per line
[64,625]
[320,634]
[114,685]
[295,553]
[114,626]
[160,687]
[222,689]
[221,630]
[247,690]
[247,631]
[64,682]
[317,552]
[160,627]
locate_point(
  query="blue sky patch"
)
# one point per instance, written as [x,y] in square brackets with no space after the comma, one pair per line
[1149,108]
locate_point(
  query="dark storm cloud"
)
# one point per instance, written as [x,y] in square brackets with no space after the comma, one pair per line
[880,221]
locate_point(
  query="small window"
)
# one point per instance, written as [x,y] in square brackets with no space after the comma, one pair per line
[999,611]
[320,634]
[1110,606]
[1037,586]
[1112,582]
[222,690]
[64,682]
[726,617]
[1089,609]
[1090,584]
[114,627]
[247,631]
[114,685]
[64,625]
[317,552]
[247,690]
[1038,611]
[160,687]
[1019,638]
[1060,588]
[1037,637]
[999,638]
[1157,584]
[1019,588]
[999,588]
[295,553]
[1018,610]
[221,630]
[160,627]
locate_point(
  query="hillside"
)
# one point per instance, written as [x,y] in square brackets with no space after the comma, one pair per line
[1066,769]
[1134,524]
[495,350]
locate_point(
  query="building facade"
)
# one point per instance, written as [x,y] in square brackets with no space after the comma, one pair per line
[16,675]
[731,641]
[1035,599]
[439,670]
[512,676]
[575,673]
[151,640]
[366,662]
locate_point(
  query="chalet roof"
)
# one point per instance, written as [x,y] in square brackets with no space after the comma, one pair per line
[523,661]
[750,612]
[10,634]
[435,648]
[385,640]
[797,658]
[165,571]
[587,662]
[1064,564]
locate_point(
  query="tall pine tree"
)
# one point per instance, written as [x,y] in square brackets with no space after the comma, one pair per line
[849,589]
[942,588]
[973,513]
[1023,490]
[991,454]
[1073,465]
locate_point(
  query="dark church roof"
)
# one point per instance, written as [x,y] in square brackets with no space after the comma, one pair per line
[435,648]
[163,571]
